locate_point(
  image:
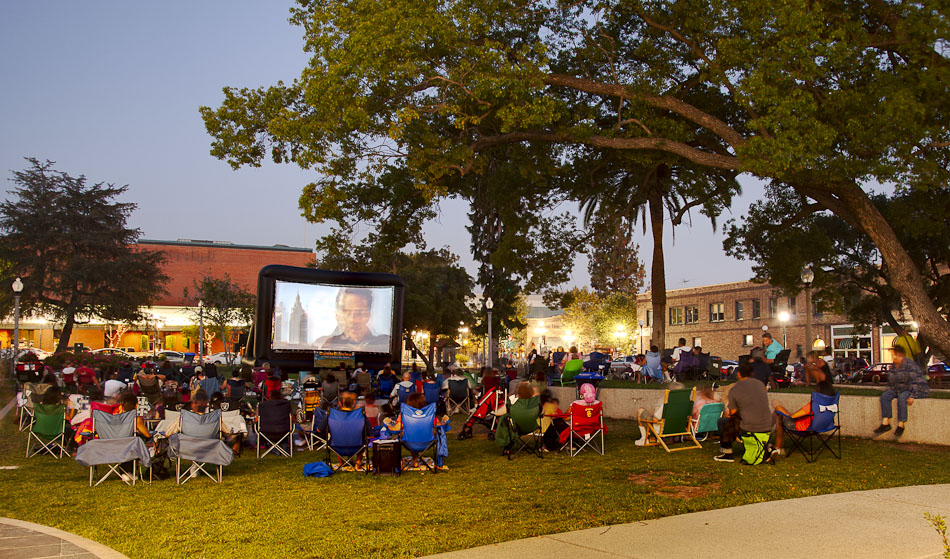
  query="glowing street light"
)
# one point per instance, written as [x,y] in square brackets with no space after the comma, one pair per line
[783,318]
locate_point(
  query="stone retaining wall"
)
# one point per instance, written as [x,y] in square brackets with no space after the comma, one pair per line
[928,420]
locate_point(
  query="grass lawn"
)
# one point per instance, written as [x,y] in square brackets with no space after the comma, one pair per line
[267,507]
[856,390]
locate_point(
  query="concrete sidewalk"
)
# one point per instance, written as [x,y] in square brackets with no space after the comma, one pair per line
[883,523]
[19,540]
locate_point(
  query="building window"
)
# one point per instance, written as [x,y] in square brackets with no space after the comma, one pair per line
[692,315]
[649,317]
[756,308]
[791,305]
[676,315]
[773,307]
[739,310]
[717,312]
[697,342]
[748,340]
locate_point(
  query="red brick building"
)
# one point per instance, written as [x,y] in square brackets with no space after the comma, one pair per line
[188,261]
[727,319]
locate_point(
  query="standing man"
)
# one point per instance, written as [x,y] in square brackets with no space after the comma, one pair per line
[906,382]
[747,410]
[771,348]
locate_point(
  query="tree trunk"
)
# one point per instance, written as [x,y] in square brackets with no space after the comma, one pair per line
[430,364]
[658,272]
[67,331]
[904,276]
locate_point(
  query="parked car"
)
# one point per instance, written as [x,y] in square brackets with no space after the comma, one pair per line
[876,373]
[622,364]
[176,357]
[39,353]
[114,351]
[221,358]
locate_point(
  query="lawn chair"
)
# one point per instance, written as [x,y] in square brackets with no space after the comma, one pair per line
[754,447]
[571,369]
[385,385]
[310,400]
[586,424]
[347,436]
[418,432]
[523,419]
[275,425]
[365,381]
[116,445]
[200,442]
[403,393]
[822,424]
[432,392]
[459,397]
[675,420]
[25,403]
[48,428]
[708,421]
[316,436]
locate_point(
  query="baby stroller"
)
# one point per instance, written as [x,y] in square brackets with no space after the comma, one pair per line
[483,413]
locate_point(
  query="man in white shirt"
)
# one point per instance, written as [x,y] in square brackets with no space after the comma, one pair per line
[406,382]
[681,348]
[113,386]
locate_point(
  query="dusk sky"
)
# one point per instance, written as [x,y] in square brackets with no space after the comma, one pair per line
[111,90]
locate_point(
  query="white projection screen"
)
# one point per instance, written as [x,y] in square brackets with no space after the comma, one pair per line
[310,316]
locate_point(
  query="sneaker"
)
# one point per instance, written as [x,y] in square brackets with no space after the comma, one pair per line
[883,429]
[125,477]
[899,431]
[776,453]
[724,457]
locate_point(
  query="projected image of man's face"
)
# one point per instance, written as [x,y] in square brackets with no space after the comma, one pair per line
[353,315]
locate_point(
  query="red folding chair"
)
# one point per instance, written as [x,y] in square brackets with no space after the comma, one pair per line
[586,427]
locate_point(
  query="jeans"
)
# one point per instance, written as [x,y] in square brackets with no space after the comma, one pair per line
[728,432]
[886,399]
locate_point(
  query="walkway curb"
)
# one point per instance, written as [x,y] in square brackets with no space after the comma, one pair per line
[95,548]
[881,523]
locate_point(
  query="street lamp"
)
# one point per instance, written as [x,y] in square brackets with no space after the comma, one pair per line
[201,334]
[17,288]
[783,318]
[808,276]
[489,305]
[819,344]
[640,336]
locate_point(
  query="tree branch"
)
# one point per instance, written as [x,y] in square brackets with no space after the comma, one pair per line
[665,102]
[699,157]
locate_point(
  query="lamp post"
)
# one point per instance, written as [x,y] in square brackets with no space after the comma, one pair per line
[783,318]
[17,288]
[808,276]
[201,333]
[489,305]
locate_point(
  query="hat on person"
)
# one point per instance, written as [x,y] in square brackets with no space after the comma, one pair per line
[198,369]
[360,364]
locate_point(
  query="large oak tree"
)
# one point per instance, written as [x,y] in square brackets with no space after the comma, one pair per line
[822,97]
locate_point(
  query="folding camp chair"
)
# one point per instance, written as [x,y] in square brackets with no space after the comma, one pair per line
[384,386]
[586,424]
[822,424]
[523,419]
[418,431]
[25,401]
[199,442]
[675,420]
[316,436]
[48,428]
[432,391]
[347,436]
[708,421]
[459,397]
[116,445]
[310,400]
[365,381]
[403,393]
[571,369]
[275,425]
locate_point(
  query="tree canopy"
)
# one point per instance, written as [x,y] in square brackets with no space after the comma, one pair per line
[822,97]
[69,242]
[224,303]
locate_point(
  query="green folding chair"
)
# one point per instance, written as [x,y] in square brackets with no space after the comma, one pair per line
[571,369]
[48,429]
[675,420]
[754,445]
[524,417]
[708,421]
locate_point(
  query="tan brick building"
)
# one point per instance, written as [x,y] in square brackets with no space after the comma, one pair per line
[727,320]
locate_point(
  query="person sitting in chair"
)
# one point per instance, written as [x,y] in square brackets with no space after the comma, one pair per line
[418,401]
[348,403]
[406,382]
[771,348]
[748,410]
[817,370]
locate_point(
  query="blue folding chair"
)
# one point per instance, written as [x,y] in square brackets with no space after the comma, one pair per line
[384,386]
[347,436]
[432,391]
[823,427]
[403,394]
[415,376]
[418,431]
